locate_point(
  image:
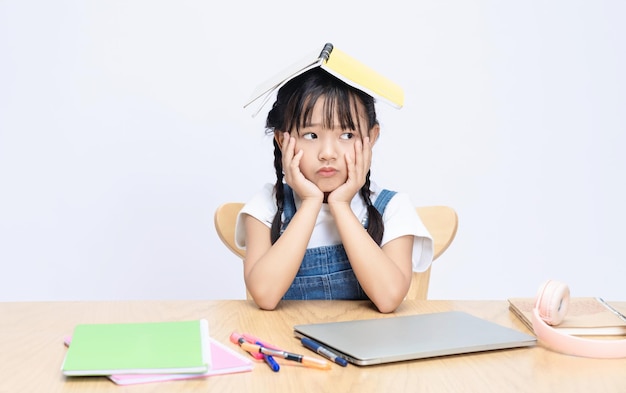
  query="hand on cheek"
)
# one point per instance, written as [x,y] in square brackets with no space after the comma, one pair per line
[291,167]
[357,163]
[362,161]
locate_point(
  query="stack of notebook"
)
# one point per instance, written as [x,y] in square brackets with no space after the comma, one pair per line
[130,353]
[586,316]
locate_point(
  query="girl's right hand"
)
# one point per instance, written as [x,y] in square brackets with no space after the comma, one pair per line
[302,186]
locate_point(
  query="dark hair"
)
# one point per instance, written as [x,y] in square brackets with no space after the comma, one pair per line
[293,110]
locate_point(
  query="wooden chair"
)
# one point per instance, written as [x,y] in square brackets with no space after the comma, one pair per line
[441,222]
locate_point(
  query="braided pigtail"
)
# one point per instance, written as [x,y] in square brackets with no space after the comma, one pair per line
[279,191]
[375,227]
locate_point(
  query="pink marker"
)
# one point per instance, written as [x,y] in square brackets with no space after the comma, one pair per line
[253,340]
[238,339]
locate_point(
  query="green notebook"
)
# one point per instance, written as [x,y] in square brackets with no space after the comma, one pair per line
[139,348]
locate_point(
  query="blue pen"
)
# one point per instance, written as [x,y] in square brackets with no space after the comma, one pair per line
[269,359]
[327,353]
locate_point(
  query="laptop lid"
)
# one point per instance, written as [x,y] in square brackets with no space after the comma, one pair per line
[393,339]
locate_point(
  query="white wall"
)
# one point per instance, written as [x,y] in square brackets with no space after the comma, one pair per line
[121,131]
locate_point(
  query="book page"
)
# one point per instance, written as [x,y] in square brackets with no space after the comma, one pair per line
[306,63]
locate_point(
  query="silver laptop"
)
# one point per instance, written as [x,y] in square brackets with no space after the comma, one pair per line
[394,339]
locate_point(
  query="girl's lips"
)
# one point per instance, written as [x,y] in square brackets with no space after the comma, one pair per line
[327,172]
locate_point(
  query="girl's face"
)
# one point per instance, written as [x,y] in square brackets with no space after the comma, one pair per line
[323,161]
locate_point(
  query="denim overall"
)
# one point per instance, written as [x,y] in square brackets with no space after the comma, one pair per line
[325,272]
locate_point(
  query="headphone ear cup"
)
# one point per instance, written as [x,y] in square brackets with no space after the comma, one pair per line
[553,301]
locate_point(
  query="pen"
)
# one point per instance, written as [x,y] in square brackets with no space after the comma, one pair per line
[612,309]
[236,338]
[305,360]
[269,359]
[327,353]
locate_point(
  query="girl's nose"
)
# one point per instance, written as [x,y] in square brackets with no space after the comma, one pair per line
[327,151]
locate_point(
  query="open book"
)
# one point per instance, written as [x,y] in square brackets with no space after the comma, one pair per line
[343,67]
[587,316]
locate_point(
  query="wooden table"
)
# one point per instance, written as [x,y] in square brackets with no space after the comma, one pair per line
[31,351]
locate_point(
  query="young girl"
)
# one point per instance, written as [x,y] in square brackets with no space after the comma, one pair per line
[323,230]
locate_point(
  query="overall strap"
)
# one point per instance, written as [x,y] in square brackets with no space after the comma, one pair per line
[383,199]
[289,206]
[381,203]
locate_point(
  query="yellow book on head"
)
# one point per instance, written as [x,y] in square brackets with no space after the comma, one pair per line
[340,65]
[362,77]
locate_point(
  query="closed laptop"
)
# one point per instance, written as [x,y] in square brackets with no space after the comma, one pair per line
[393,339]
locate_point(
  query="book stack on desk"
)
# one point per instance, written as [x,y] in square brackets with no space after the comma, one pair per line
[131,353]
[586,316]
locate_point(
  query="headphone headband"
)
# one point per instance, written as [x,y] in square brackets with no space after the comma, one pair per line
[550,309]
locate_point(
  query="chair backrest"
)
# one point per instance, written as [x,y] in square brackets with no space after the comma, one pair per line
[441,222]
[225,219]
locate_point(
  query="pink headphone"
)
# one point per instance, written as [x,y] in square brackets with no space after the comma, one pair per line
[550,309]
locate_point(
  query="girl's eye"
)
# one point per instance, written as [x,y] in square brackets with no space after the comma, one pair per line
[309,135]
[347,135]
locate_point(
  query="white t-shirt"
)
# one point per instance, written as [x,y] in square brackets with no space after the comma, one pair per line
[400,219]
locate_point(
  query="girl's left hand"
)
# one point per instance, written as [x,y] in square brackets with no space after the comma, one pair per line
[358,167]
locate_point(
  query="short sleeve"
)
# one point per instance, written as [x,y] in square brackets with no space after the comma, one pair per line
[401,219]
[262,207]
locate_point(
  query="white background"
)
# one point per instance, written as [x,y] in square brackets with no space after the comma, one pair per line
[122,130]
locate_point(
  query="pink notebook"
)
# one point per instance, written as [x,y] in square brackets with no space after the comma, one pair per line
[224,361]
